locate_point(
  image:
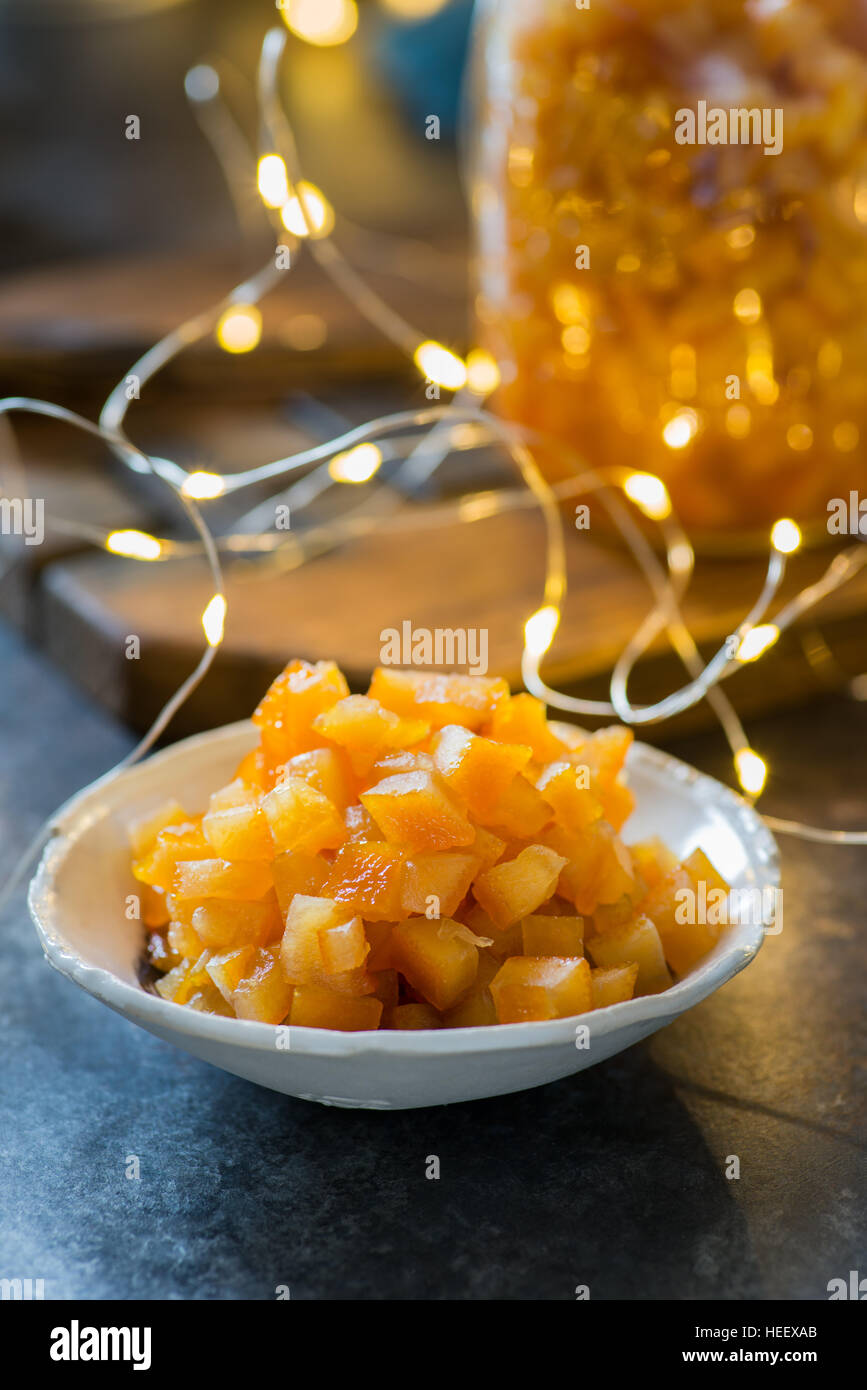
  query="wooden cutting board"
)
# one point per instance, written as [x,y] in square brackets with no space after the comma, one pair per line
[212,410]
[487,575]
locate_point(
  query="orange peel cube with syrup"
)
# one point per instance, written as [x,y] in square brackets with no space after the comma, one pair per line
[673,905]
[440,699]
[416,811]
[301,817]
[636,943]
[316,1007]
[367,875]
[220,878]
[286,714]
[515,889]
[309,956]
[530,989]
[552,936]
[263,994]
[476,769]
[367,731]
[437,959]
[613,985]
[239,832]
[521,719]
[439,881]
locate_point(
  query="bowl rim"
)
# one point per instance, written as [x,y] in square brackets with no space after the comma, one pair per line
[732,954]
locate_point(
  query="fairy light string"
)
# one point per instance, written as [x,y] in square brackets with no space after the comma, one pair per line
[236,321]
[28,405]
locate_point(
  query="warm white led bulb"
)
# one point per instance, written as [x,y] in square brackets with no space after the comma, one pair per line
[203,486]
[356,465]
[239,328]
[214,620]
[271,180]
[756,641]
[649,494]
[539,630]
[752,770]
[441,366]
[136,545]
[786,536]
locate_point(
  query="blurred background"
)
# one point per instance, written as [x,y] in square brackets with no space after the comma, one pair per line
[107,243]
[72,70]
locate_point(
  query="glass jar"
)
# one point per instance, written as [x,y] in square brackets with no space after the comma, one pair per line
[670,201]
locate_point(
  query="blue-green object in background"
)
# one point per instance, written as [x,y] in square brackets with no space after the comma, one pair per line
[423,64]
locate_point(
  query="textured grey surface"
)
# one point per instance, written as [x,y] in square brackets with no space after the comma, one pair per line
[614,1179]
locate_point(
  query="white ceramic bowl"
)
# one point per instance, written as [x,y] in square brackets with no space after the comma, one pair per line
[77,900]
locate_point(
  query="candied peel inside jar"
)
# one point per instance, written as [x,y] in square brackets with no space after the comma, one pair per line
[697,309]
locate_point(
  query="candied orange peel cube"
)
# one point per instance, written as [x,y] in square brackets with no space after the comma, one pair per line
[701,870]
[302,818]
[416,811]
[476,1008]
[227,969]
[286,714]
[687,930]
[184,940]
[409,1017]
[368,877]
[144,833]
[239,832]
[487,848]
[635,943]
[184,979]
[531,989]
[653,860]
[367,730]
[311,946]
[316,1007]
[154,908]
[298,871]
[220,878]
[262,995]
[476,769]
[552,936]
[440,699]
[515,889]
[222,924]
[436,884]
[172,844]
[360,824]
[521,811]
[328,770]
[613,985]
[437,959]
[344,946]
[207,999]
[576,805]
[521,719]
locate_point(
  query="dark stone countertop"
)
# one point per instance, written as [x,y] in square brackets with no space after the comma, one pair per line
[614,1178]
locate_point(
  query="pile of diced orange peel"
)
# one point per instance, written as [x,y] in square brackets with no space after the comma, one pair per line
[433,854]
